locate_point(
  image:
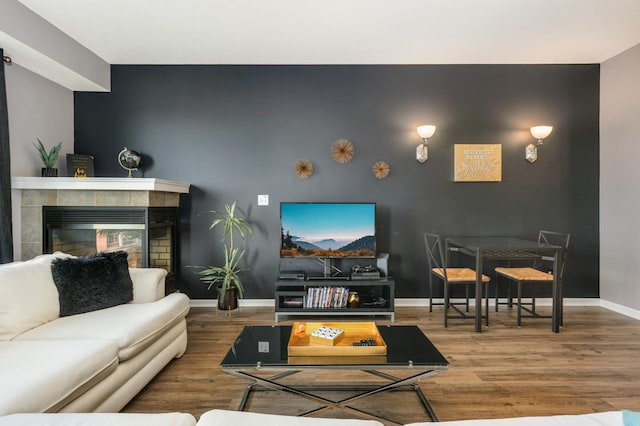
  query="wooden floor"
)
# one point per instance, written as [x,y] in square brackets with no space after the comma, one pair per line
[505,371]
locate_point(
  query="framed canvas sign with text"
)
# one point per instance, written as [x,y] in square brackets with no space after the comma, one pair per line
[477,163]
[80,165]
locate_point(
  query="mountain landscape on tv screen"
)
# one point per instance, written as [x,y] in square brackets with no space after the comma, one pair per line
[327,230]
[293,246]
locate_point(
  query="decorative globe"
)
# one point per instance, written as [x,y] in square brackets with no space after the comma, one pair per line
[129,160]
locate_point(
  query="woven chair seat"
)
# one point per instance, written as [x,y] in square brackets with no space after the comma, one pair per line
[524,274]
[459,275]
[454,277]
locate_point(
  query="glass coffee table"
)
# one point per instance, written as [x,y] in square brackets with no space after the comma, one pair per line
[260,355]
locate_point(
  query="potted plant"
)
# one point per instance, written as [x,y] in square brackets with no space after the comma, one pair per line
[227,276]
[49,159]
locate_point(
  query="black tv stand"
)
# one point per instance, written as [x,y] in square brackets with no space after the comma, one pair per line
[376,291]
[376,297]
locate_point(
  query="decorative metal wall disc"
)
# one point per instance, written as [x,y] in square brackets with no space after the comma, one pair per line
[304,169]
[342,151]
[380,169]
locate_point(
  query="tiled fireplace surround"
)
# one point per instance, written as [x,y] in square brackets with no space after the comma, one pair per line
[88,192]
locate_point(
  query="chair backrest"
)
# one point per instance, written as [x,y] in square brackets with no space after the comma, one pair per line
[558,239]
[435,252]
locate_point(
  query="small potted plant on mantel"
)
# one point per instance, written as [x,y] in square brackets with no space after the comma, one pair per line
[49,159]
[227,276]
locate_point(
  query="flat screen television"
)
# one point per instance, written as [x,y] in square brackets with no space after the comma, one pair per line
[328,230]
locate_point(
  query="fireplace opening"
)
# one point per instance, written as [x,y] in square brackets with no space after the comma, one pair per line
[147,234]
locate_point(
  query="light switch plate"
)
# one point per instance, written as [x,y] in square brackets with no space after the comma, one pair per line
[263,347]
[263,200]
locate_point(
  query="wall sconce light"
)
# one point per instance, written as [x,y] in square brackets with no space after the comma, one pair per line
[538,132]
[425,133]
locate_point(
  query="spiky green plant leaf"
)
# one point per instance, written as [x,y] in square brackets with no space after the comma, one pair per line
[50,158]
[227,275]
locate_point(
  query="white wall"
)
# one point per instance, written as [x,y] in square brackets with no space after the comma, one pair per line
[38,108]
[40,47]
[620,179]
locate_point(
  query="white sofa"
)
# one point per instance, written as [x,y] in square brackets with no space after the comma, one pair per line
[228,418]
[98,419]
[90,362]
[233,418]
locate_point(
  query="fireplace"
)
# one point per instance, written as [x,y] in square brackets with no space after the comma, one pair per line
[82,216]
[147,234]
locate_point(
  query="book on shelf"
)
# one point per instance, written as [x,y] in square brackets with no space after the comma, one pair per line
[328,297]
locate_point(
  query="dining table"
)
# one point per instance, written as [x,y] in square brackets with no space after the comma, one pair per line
[508,249]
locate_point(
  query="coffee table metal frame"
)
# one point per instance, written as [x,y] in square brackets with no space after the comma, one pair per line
[392,382]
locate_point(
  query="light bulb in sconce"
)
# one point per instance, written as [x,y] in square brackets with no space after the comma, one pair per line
[425,132]
[540,133]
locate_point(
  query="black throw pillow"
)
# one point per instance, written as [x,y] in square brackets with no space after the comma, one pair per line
[92,282]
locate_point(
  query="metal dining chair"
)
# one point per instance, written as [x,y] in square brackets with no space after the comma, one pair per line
[540,273]
[451,277]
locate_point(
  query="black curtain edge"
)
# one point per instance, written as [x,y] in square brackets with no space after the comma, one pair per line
[6,233]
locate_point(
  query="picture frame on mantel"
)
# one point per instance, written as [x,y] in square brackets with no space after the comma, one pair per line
[477,163]
[80,165]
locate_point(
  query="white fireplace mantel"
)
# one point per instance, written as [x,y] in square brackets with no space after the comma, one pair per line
[99,184]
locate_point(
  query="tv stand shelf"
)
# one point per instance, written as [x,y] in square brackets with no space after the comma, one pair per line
[376,297]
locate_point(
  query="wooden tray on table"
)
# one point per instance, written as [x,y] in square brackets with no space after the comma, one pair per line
[300,343]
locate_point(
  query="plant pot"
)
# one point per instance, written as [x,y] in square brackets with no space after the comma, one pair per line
[229,301]
[49,172]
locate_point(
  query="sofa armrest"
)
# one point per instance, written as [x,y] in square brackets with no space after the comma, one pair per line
[148,284]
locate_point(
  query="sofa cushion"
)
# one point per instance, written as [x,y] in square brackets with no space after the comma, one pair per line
[132,326]
[40,376]
[92,282]
[28,296]
[229,418]
[98,419]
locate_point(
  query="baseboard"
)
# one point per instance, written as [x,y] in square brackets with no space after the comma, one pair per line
[408,302]
[401,302]
[624,310]
[209,303]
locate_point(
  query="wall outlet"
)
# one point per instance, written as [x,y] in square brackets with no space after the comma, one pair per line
[263,200]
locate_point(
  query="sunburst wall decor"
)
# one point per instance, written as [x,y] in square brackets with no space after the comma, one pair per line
[380,169]
[342,151]
[304,169]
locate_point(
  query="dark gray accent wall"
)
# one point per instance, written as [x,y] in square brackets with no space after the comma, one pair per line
[234,132]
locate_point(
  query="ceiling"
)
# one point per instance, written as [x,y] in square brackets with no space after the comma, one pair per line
[347,31]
